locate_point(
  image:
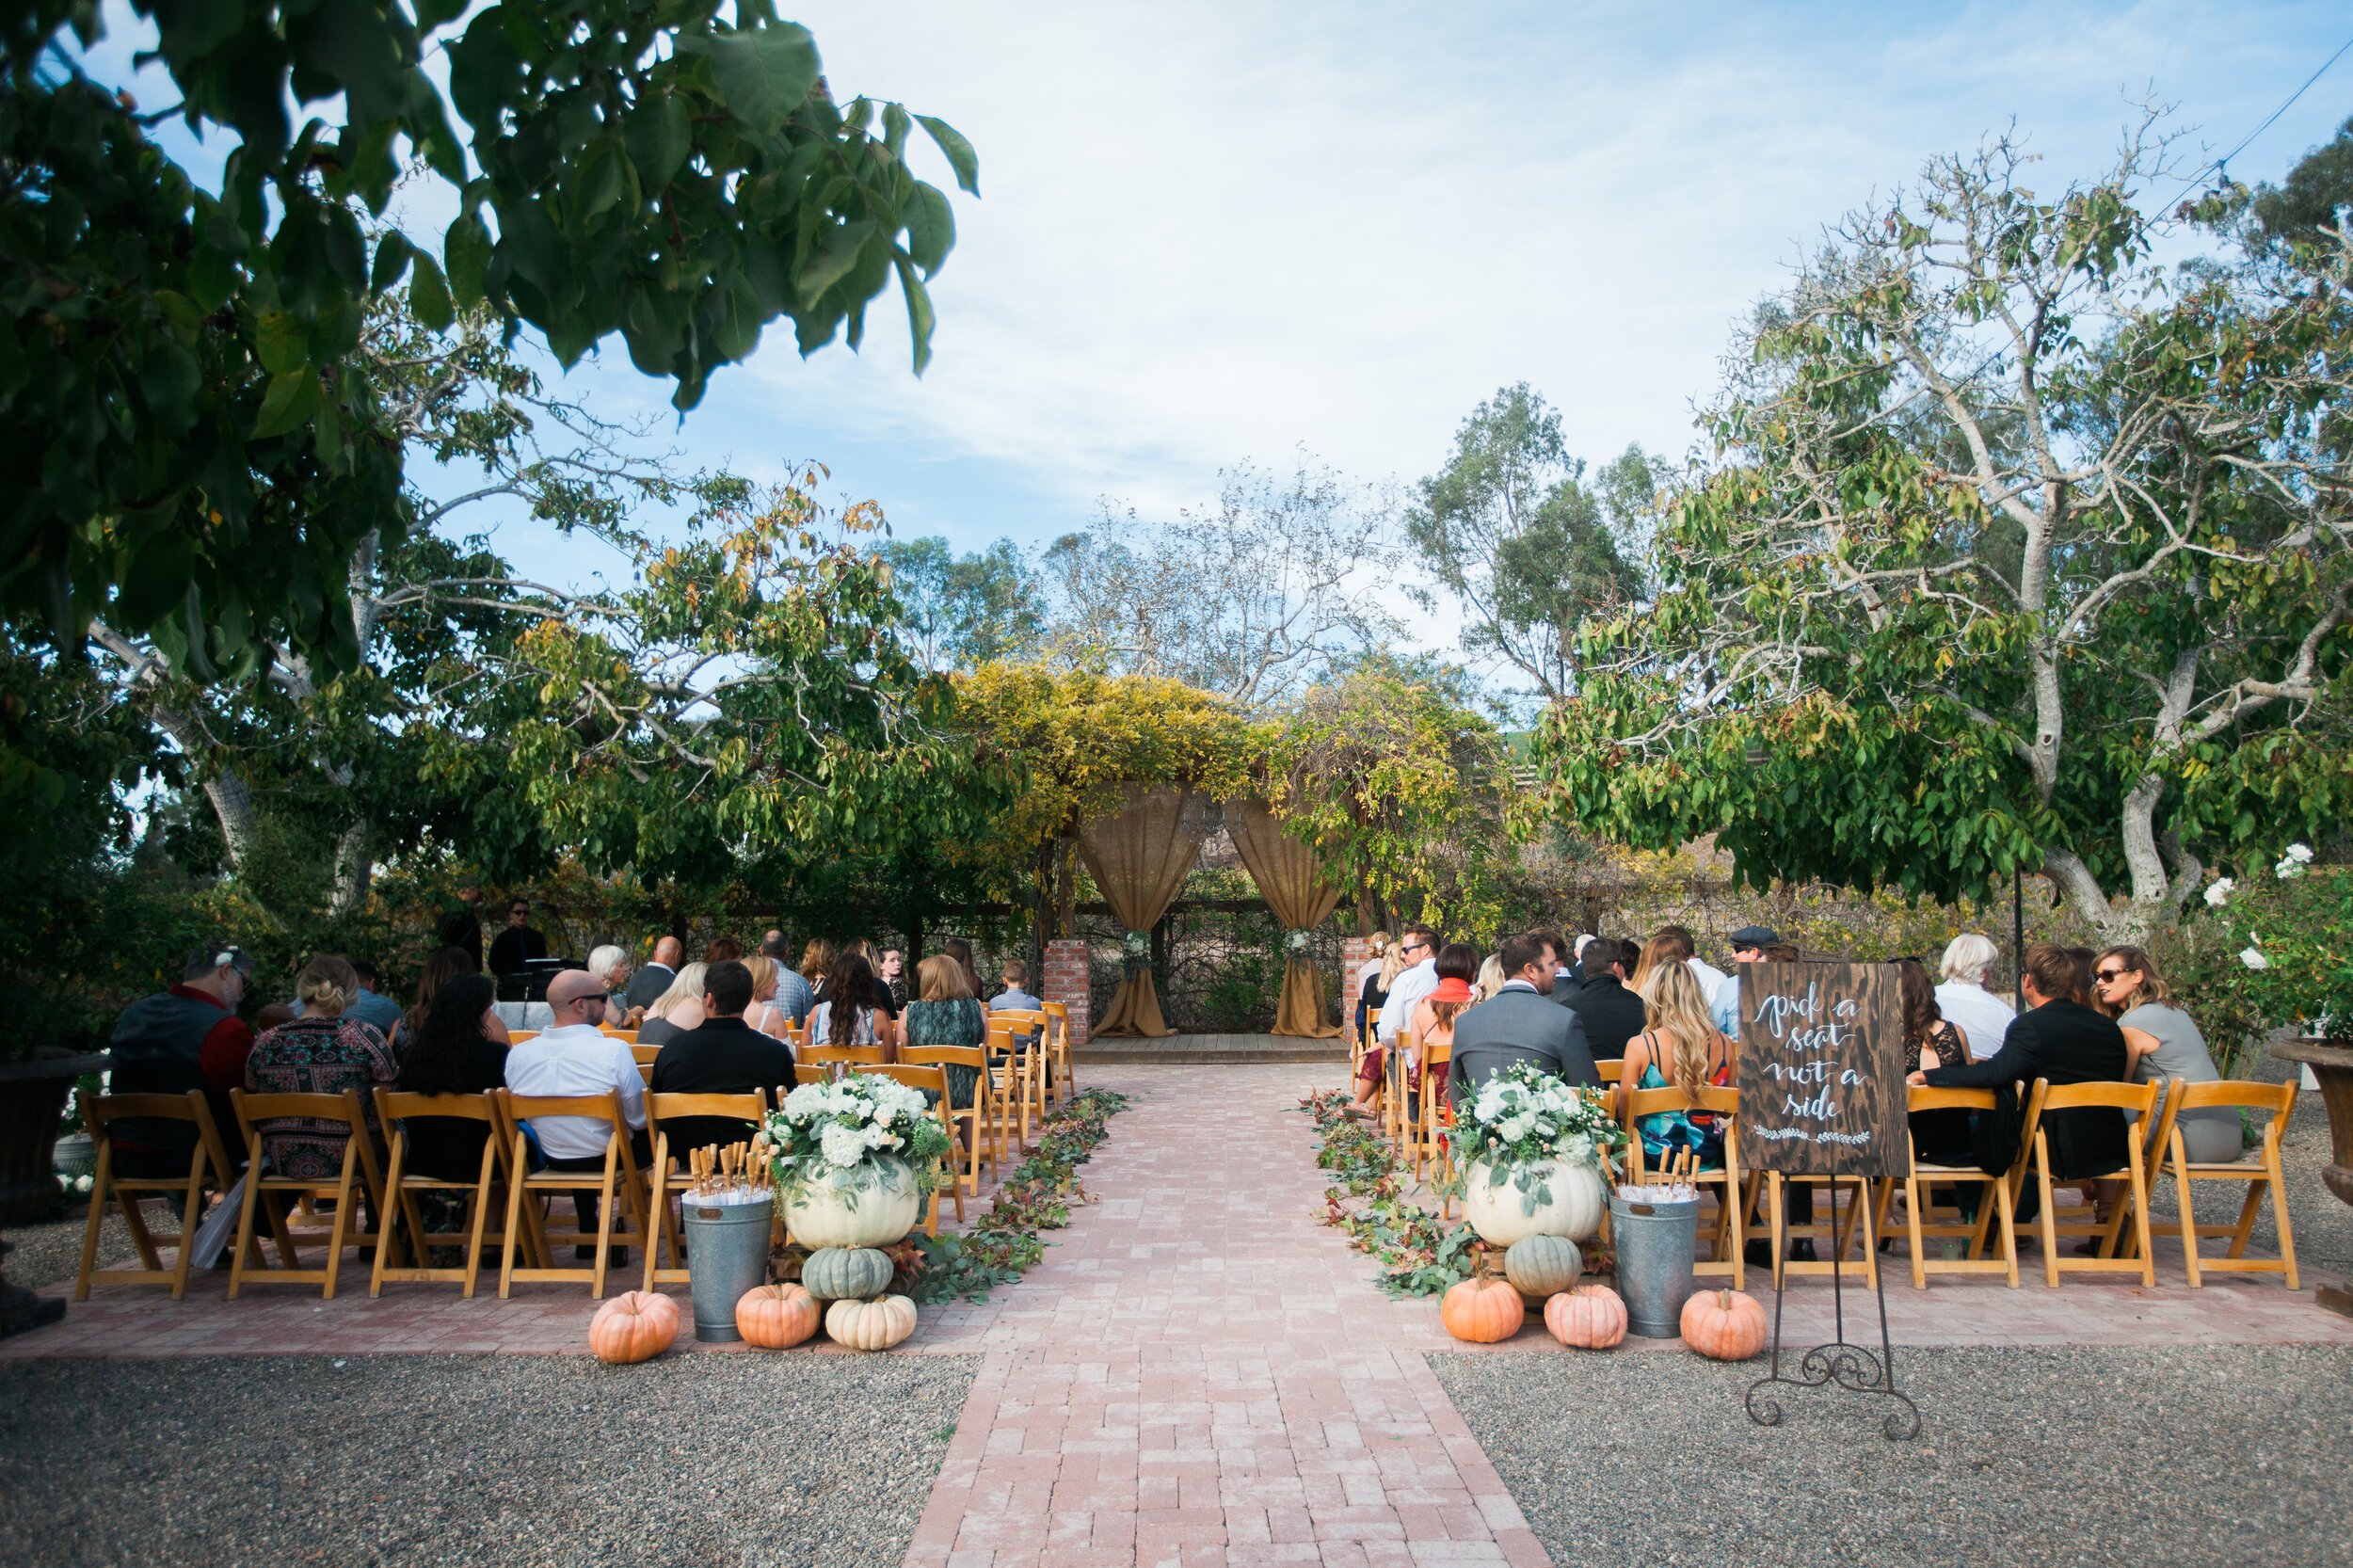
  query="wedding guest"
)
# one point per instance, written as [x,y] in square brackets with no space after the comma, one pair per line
[945,1013]
[1565,980]
[850,1015]
[1962,998]
[1679,942]
[322,1052]
[574,1057]
[1518,1024]
[1374,992]
[1015,997]
[1378,946]
[794,996]
[187,1036]
[2165,1044]
[442,965]
[372,1006]
[762,1014]
[1431,1023]
[647,985]
[891,969]
[816,967]
[1489,980]
[1417,950]
[1930,1040]
[726,1055]
[1679,1045]
[1747,947]
[611,965]
[457,1048]
[723,950]
[1611,1012]
[676,1010]
[2085,961]
[961,950]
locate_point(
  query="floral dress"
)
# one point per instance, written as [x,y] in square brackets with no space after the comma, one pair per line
[317,1056]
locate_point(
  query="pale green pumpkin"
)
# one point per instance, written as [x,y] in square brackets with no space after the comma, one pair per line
[845,1274]
[1539,1267]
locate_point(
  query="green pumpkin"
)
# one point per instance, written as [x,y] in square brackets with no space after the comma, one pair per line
[845,1274]
[1541,1267]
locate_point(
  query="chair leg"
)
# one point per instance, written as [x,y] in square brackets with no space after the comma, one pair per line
[2189,1214]
[2050,1226]
[2139,1197]
[100,1187]
[341,1226]
[2009,1229]
[608,1197]
[1912,1195]
[246,1244]
[514,1218]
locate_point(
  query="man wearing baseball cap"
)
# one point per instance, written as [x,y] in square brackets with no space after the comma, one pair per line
[1747,947]
[186,1037]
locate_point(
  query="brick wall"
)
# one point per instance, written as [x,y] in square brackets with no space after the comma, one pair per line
[1067,979]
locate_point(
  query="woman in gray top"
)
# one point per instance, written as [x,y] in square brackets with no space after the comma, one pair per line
[2163,1043]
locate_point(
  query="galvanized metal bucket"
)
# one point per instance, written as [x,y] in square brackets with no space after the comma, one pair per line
[727,1255]
[1656,1244]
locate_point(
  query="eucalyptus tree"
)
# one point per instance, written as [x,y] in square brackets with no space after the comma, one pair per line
[2017,550]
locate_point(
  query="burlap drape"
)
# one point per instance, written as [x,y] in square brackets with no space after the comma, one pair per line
[1139,856]
[1291,879]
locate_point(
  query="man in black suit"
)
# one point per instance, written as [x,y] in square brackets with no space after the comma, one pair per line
[1565,980]
[1518,1024]
[726,1056]
[519,943]
[2065,1042]
[1612,1014]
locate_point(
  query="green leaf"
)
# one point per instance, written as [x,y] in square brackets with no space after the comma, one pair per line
[291,399]
[960,154]
[659,139]
[919,317]
[392,258]
[169,382]
[428,296]
[931,226]
[466,251]
[281,343]
[765,73]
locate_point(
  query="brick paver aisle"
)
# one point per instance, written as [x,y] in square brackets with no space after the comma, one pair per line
[1199,1374]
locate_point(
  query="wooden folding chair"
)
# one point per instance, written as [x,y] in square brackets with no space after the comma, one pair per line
[666,1183]
[982,1142]
[627,1036]
[1994,1204]
[1065,1079]
[2049,1098]
[811,1072]
[618,1183]
[208,1165]
[1395,1095]
[1433,1121]
[2171,1156]
[1017,1048]
[644,1054]
[852,1056]
[933,1081]
[357,1181]
[394,1109]
[1611,1073]
[1848,1223]
[517,1036]
[1730,1236]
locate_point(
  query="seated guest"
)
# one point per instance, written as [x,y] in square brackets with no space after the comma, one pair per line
[574,1057]
[186,1037]
[1416,976]
[1962,997]
[873,993]
[723,950]
[1368,981]
[442,965]
[1747,947]
[1679,942]
[514,947]
[1932,1040]
[647,985]
[961,950]
[372,1006]
[1566,982]
[763,1014]
[1489,980]
[2059,1039]
[725,1056]
[676,1010]
[1433,1023]
[945,1013]
[458,1048]
[322,1052]
[892,969]
[816,963]
[794,996]
[1015,997]
[1679,1045]
[840,1020]
[610,964]
[2166,1044]
[2085,961]
[1612,1014]
[1518,1024]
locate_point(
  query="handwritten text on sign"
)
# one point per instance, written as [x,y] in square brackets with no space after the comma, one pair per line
[1822,1070]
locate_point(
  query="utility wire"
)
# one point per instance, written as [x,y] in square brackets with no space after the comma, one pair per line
[2222,164]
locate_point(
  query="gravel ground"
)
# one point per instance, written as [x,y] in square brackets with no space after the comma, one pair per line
[521,1461]
[2324,1226]
[2225,1455]
[44,1254]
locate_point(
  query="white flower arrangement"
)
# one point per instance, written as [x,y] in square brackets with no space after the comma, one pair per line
[1297,942]
[823,1130]
[2219,892]
[1524,1118]
[2298,859]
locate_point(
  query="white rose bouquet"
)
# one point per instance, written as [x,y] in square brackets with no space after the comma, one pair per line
[1523,1119]
[846,1125]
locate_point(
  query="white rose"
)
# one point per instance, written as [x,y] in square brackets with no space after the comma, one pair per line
[2218,892]
[843,1147]
[2300,854]
[1513,1128]
[2253,958]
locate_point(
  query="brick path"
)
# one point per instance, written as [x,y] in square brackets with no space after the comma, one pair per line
[1198,1373]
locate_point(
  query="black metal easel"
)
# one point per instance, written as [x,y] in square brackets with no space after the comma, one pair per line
[1851,1366]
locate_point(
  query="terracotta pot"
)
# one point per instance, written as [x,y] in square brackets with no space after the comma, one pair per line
[2331,1062]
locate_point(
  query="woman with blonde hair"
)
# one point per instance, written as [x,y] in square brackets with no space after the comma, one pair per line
[762,1014]
[1490,979]
[676,1010]
[1680,1047]
[322,1052]
[2163,1043]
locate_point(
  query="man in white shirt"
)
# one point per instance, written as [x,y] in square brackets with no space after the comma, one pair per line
[572,1057]
[1419,947]
[1687,949]
[1981,1017]
[1747,947]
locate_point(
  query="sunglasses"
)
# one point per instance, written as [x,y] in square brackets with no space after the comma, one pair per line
[2110,977]
[599,998]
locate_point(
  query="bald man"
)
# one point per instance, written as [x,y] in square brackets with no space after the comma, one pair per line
[574,1057]
[647,985]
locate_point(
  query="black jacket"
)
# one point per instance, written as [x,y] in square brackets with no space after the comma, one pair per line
[1612,1015]
[1516,1024]
[726,1056]
[647,985]
[2066,1042]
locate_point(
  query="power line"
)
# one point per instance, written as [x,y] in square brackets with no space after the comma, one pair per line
[2224,162]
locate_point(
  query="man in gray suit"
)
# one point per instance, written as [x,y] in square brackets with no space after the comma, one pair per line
[1519,1023]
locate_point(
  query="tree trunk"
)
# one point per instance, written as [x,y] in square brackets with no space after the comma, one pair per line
[233,806]
[355,869]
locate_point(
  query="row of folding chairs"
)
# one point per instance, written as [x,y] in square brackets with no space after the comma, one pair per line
[1418,1123]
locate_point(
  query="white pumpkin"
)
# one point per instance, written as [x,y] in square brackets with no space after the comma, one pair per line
[1498,1209]
[874,1325]
[873,1205]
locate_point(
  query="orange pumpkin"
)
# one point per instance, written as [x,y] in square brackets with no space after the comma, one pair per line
[1590,1317]
[775,1317]
[1483,1311]
[635,1327]
[1724,1325]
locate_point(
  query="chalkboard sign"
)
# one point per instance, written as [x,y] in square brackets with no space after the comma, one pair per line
[1822,1070]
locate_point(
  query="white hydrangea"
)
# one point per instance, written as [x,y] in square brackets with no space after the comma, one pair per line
[2218,892]
[1516,1128]
[844,1147]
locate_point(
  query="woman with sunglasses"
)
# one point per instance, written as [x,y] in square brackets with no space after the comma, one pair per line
[2163,1043]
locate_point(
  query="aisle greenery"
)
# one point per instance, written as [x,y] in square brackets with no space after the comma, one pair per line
[1040,1194]
[1419,1254]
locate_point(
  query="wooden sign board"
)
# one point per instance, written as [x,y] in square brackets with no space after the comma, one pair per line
[1822,1070]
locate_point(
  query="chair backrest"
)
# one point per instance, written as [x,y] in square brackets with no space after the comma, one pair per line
[1610,1072]
[806,1071]
[1722,1100]
[611,1033]
[933,1079]
[1925,1098]
[517,1036]
[749,1106]
[98,1111]
[255,1110]
[599,1108]
[396,1105]
[2141,1097]
[2277,1099]
[644,1054]
[943,1056]
[854,1055]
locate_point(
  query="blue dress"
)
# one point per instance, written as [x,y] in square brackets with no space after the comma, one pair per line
[1667,1133]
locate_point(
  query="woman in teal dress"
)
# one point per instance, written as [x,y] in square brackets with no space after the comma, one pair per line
[945,1013]
[1684,1048]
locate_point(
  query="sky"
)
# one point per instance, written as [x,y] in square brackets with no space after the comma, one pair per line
[1211,234]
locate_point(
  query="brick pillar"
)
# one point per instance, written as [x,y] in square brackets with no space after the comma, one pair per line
[1068,973]
[1353,952]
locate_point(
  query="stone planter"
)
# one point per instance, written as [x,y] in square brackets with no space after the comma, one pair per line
[871,1204]
[1498,1209]
[2331,1063]
[32,1097]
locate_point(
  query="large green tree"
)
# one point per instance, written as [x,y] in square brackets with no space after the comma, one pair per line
[197,447]
[2019,551]
[964,611]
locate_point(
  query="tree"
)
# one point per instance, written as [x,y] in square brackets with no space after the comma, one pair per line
[964,611]
[2018,552]
[1523,546]
[1253,600]
[180,371]
[2304,207]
